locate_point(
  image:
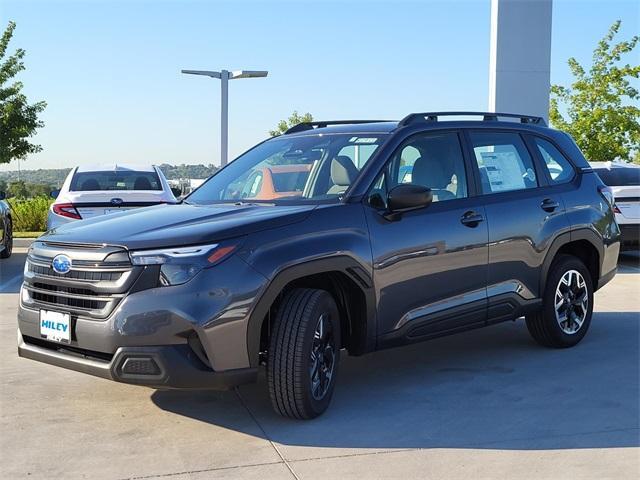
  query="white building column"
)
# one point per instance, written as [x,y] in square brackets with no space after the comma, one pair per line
[520,58]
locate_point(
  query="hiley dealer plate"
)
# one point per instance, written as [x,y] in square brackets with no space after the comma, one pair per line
[55,326]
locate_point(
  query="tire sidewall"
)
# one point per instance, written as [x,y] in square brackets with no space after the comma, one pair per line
[325,304]
[8,238]
[560,267]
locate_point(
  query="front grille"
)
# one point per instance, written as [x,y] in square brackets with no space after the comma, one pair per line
[66,296]
[92,288]
[42,270]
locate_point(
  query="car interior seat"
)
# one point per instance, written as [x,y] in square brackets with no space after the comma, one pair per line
[343,173]
[484,180]
[142,183]
[90,184]
[432,174]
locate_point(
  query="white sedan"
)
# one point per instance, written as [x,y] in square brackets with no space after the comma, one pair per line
[624,180]
[90,191]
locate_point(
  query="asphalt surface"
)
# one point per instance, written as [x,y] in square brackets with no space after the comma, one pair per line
[484,404]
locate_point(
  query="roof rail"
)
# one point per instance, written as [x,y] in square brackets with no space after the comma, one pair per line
[301,127]
[486,117]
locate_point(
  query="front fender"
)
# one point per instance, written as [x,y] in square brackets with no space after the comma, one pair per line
[333,238]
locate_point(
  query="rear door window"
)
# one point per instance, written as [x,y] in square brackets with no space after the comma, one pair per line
[115,180]
[504,162]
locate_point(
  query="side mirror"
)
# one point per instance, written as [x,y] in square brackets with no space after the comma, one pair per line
[177,192]
[406,197]
[54,193]
[3,195]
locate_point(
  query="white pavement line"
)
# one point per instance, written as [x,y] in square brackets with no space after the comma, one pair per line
[5,287]
[275,447]
[204,470]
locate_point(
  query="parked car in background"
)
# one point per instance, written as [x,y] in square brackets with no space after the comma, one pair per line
[624,180]
[6,228]
[91,191]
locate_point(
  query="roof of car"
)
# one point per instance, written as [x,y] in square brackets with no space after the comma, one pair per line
[385,127]
[116,167]
[373,127]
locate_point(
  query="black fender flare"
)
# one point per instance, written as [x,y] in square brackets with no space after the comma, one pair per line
[580,234]
[341,263]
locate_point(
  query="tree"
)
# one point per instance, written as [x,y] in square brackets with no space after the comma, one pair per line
[17,189]
[18,119]
[601,113]
[294,119]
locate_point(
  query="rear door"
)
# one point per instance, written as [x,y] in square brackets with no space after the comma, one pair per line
[524,214]
[430,265]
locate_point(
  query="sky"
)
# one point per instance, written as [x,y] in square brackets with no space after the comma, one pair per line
[110,70]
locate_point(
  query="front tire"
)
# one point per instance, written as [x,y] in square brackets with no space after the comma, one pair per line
[8,239]
[567,305]
[304,352]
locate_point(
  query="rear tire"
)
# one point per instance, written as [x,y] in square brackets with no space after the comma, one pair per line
[8,239]
[304,352]
[567,305]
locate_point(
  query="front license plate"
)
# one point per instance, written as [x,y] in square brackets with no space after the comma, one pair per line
[55,326]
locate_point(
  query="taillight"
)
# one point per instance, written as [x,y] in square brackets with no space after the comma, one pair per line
[66,210]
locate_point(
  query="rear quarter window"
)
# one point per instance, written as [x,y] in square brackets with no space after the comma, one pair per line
[559,168]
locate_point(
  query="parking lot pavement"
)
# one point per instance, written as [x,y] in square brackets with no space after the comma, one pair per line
[483,404]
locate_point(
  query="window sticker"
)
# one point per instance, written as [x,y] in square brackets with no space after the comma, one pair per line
[503,170]
[363,140]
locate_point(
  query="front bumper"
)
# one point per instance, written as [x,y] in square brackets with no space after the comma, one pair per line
[165,367]
[188,336]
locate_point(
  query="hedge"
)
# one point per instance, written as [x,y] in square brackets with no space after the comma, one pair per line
[30,215]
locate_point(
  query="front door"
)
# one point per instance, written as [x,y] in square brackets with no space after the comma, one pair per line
[430,265]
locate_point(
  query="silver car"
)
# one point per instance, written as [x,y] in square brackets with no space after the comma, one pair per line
[6,228]
[91,191]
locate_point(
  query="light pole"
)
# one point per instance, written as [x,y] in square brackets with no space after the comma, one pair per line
[225,76]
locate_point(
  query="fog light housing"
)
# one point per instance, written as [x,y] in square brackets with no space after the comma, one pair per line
[140,366]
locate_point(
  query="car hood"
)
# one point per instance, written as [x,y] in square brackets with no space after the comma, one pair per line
[183,224]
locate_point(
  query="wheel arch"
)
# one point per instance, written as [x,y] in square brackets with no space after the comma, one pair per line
[582,243]
[344,277]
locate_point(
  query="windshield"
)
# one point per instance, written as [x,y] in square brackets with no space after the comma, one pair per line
[291,169]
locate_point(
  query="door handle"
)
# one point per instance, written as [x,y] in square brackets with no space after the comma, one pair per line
[471,219]
[549,205]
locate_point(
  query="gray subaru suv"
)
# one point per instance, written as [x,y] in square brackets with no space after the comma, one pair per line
[346,236]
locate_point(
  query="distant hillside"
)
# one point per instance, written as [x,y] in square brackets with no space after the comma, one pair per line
[55,176]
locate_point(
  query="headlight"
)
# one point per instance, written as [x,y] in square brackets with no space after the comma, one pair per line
[180,264]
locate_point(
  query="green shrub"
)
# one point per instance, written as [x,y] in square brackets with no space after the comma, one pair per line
[30,215]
